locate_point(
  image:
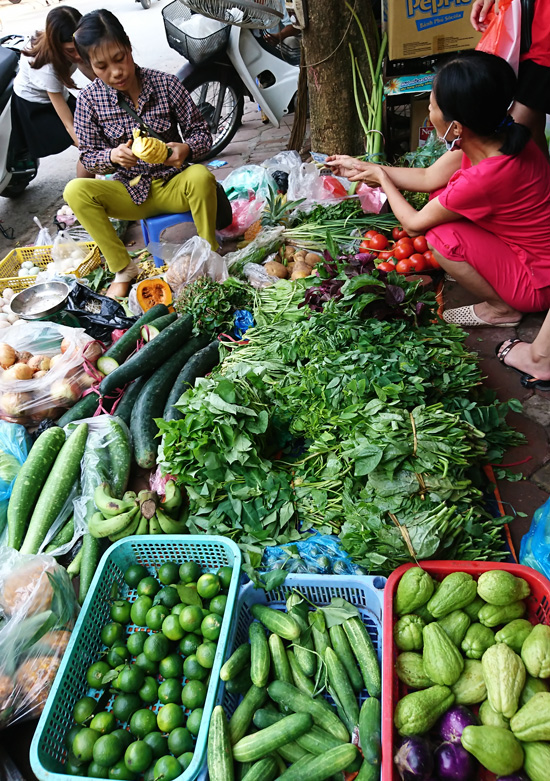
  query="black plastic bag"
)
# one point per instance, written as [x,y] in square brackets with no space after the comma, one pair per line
[97,314]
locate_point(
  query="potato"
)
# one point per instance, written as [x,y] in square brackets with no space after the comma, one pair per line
[276,269]
[299,274]
[289,251]
[300,255]
[312,259]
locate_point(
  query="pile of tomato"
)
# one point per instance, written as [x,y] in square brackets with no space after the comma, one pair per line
[404,254]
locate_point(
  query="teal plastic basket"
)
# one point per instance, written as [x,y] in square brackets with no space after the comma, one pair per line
[48,751]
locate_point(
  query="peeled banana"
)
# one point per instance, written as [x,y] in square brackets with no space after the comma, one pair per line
[150,150]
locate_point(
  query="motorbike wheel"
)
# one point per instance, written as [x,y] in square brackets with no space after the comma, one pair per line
[146,4]
[216,98]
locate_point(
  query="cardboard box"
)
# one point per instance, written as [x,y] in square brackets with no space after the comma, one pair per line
[421,127]
[421,28]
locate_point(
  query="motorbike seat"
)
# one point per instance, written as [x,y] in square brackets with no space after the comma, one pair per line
[8,67]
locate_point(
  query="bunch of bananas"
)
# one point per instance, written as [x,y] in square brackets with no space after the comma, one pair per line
[140,513]
[150,150]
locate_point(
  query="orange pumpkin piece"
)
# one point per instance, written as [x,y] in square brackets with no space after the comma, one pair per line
[153,291]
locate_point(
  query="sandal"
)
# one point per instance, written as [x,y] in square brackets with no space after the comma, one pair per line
[466,316]
[527,380]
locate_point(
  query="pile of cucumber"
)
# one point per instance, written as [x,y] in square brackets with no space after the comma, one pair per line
[284,727]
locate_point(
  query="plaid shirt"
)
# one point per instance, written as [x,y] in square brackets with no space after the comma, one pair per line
[164,104]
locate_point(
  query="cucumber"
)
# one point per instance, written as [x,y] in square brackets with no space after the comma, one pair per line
[202,359]
[150,330]
[150,405]
[343,651]
[240,684]
[62,537]
[370,734]
[368,773]
[265,769]
[239,659]
[322,767]
[286,695]
[303,648]
[319,633]
[122,348]
[150,357]
[120,456]
[318,740]
[281,665]
[56,489]
[291,752]
[91,554]
[74,567]
[240,721]
[85,407]
[29,481]
[343,689]
[301,681]
[106,365]
[219,756]
[259,655]
[258,745]
[365,654]
[123,409]
[277,622]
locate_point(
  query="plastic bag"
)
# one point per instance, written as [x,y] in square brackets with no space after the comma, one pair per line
[535,545]
[372,199]
[67,254]
[283,161]
[267,241]
[321,553]
[245,213]
[305,182]
[14,447]
[257,276]
[38,607]
[503,33]
[248,179]
[97,314]
[44,238]
[133,304]
[192,260]
[52,356]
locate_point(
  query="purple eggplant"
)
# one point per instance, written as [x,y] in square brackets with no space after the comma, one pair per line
[452,724]
[454,763]
[414,760]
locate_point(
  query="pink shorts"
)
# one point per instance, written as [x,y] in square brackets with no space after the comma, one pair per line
[464,241]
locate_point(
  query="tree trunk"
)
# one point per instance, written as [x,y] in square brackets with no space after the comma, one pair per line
[334,123]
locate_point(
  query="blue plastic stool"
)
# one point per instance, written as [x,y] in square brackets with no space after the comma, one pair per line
[152,227]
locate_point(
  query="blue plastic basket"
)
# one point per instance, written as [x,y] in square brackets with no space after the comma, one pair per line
[48,752]
[365,592]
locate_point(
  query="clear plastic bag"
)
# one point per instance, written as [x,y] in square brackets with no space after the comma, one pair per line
[14,447]
[190,261]
[245,213]
[38,608]
[535,545]
[47,374]
[283,161]
[67,254]
[267,241]
[44,238]
[322,554]
[248,179]
[258,276]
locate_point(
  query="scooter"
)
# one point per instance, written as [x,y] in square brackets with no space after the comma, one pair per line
[15,172]
[226,64]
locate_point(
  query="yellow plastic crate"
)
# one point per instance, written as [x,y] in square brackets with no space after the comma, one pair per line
[41,256]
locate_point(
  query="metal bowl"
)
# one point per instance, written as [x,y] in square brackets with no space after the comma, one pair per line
[40,301]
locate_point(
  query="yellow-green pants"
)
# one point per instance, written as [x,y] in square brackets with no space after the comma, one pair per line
[95,200]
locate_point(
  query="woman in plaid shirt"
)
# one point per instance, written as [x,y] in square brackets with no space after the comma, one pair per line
[137,190]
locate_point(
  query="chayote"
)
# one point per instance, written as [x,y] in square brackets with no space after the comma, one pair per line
[536,762]
[455,626]
[499,587]
[407,633]
[443,662]
[515,633]
[496,748]
[535,652]
[477,640]
[409,667]
[416,713]
[532,721]
[490,718]
[493,615]
[532,686]
[455,592]
[504,674]
[470,688]
[414,589]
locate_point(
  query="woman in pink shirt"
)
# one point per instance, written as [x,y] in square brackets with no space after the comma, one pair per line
[488,220]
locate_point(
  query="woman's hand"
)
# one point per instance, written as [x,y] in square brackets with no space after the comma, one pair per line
[123,155]
[480,9]
[372,174]
[180,153]
[344,165]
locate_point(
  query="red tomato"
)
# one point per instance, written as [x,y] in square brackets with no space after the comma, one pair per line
[419,262]
[431,259]
[378,242]
[405,240]
[386,266]
[384,255]
[404,266]
[398,233]
[402,251]
[364,246]
[420,244]
[370,234]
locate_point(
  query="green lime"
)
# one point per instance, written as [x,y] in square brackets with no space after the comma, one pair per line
[95,770]
[155,616]
[156,647]
[83,744]
[112,632]
[104,722]
[134,574]
[176,610]
[193,695]
[185,759]
[118,654]
[139,610]
[149,690]
[148,587]
[158,743]
[95,673]
[124,705]
[130,678]
[74,767]
[208,585]
[171,666]
[194,721]
[171,627]
[136,641]
[149,774]
[206,653]
[168,596]
[71,734]
[218,604]
[148,666]
[211,626]
[205,612]
[189,643]
[124,736]
[189,571]
[224,574]
[83,709]
[142,722]
[169,691]
[193,670]
[180,740]
[170,716]
[167,768]
[190,618]
[168,573]
[120,771]
[138,756]
[120,611]
[108,749]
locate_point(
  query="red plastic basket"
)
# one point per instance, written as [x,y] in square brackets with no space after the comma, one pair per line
[538,611]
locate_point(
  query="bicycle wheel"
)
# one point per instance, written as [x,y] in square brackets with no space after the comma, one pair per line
[221,103]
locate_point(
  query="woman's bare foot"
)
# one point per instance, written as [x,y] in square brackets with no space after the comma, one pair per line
[120,286]
[118,290]
[491,314]
[522,357]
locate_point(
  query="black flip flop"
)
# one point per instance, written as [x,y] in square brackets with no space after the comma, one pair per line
[527,380]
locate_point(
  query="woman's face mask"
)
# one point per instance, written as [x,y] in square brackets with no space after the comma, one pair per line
[449,144]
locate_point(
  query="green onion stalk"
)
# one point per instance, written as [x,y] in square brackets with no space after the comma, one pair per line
[314,235]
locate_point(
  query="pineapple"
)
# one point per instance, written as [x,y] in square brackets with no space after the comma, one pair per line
[276,212]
